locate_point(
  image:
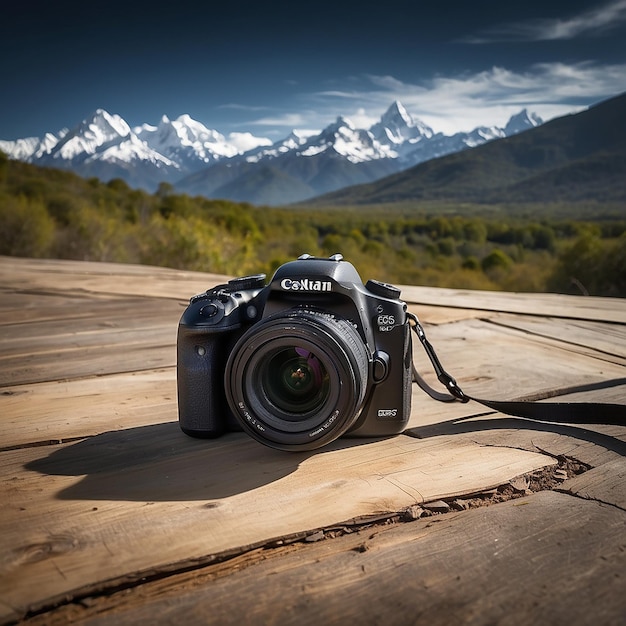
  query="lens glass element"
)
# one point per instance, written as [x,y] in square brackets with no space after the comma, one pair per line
[295,381]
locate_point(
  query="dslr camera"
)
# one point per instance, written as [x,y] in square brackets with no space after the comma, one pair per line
[296,363]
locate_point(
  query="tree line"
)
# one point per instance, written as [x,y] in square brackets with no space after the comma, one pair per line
[56,214]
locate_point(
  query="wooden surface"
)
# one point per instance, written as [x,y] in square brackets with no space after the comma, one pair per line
[111,515]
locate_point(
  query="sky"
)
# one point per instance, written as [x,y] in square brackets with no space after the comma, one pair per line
[269,67]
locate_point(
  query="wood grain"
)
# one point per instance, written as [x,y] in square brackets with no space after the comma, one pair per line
[502,565]
[100,487]
[94,510]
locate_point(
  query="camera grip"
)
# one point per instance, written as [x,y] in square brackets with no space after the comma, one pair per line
[202,409]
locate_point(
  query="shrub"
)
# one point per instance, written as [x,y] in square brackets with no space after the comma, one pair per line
[27,229]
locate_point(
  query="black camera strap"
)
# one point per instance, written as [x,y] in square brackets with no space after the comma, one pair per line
[561,412]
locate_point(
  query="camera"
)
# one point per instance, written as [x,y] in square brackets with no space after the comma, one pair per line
[296,363]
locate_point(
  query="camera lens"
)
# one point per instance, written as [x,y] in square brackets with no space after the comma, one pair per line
[297,381]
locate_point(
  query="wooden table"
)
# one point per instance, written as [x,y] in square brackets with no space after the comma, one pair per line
[110,515]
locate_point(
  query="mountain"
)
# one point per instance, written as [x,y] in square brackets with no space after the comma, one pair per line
[105,146]
[201,161]
[340,156]
[572,158]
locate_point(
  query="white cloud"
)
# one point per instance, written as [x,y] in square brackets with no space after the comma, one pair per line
[453,103]
[247,141]
[291,120]
[596,20]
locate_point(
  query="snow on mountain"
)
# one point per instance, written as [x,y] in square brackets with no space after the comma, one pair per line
[186,141]
[289,144]
[132,149]
[20,149]
[167,151]
[99,130]
[480,135]
[356,145]
[397,126]
[31,147]
[104,145]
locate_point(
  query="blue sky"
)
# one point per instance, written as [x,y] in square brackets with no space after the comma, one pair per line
[269,67]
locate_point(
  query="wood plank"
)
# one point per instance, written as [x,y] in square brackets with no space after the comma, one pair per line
[605,484]
[609,339]
[47,314]
[540,559]
[83,361]
[496,362]
[592,445]
[537,304]
[52,275]
[93,510]
[98,352]
[69,409]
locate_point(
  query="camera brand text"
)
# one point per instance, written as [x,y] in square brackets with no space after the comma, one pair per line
[385,323]
[306,284]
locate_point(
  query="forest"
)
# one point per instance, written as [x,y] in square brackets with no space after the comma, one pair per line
[51,213]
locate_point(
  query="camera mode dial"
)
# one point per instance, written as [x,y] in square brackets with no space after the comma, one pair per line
[257,281]
[384,290]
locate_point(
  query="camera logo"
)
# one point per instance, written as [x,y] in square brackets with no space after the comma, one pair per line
[306,284]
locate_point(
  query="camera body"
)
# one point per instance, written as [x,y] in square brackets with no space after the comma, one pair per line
[296,363]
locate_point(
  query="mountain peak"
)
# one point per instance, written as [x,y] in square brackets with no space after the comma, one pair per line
[341,122]
[104,124]
[397,126]
[395,113]
[100,129]
[522,121]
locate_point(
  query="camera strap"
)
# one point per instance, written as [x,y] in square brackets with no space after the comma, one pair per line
[530,408]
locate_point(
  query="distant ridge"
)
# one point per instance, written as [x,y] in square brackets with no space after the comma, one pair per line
[572,158]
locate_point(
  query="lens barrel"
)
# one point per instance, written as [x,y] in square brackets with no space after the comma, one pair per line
[298,380]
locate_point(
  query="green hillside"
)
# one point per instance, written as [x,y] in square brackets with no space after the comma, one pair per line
[56,214]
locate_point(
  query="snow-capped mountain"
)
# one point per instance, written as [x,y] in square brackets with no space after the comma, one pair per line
[31,148]
[185,141]
[290,143]
[91,135]
[399,131]
[202,161]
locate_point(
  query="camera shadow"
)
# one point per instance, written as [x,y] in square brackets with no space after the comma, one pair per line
[160,463]
[471,425]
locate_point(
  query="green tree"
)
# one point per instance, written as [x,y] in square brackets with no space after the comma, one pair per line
[27,229]
[496,259]
[591,266]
